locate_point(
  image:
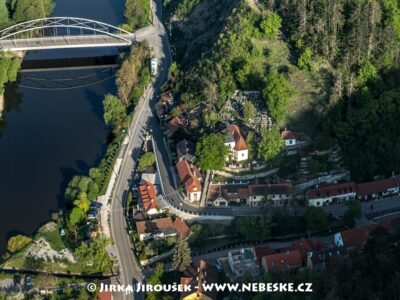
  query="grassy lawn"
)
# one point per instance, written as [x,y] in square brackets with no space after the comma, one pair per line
[53,237]
[304,110]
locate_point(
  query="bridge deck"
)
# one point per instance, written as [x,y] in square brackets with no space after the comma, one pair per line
[80,41]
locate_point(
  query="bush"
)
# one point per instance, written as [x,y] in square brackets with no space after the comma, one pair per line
[17,242]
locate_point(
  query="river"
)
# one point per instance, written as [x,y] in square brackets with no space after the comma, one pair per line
[47,136]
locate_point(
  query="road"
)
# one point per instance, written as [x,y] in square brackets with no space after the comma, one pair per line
[131,272]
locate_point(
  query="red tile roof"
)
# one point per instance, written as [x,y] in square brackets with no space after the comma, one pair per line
[263,251]
[182,227]
[331,190]
[104,296]
[282,261]
[288,135]
[377,186]
[189,175]
[270,189]
[158,225]
[153,226]
[305,246]
[240,143]
[147,196]
[173,125]
[358,236]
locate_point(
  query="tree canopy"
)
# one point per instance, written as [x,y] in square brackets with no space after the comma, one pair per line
[23,10]
[211,151]
[271,143]
[181,258]
[278,93]
[114,111]
[4,16]
[147,160]
[253,228]
[18,242]
[316,218]
[353,212]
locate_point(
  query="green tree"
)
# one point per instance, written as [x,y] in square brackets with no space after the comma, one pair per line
[316,218]
[249,111]
[155,279]
[137,13]
[3,13]
[353,212]
[24,10]
[251,145]
[270,25]
[211,152]
[277,93]
[304,61]
[211,118]
[94,258]
[76,216]
[82,202]
[367,72]
[17,242]
[271,143]
[9,67]
[114,111]
[181,258]
[147,160]
[253,228]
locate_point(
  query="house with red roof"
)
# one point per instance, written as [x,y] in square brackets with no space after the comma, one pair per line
[289,137]
[162,228]
[191,179]
[235,140]
[147,198]
[306,247]
[378,188]
[356,237]
[283,261]
[331,193]
[173,126]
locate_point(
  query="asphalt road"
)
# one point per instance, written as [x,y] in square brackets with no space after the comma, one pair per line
[130,271]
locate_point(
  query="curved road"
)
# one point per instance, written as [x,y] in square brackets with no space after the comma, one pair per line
[130,270]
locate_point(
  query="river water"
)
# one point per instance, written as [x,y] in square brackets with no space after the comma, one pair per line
[47,136]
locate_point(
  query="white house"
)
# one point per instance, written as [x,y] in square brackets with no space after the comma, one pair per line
[278,193]
[289,138]
[190,177]
[235,141]
[332,193]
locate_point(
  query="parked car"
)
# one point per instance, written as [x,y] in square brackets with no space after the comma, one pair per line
[92,215]
[28,281]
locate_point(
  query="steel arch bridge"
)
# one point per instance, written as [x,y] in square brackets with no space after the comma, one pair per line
[62,32]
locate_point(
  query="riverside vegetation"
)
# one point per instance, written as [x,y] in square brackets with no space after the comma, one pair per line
[131,80]
[12,12]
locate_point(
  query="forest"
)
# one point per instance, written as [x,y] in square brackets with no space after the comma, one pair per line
[336,62]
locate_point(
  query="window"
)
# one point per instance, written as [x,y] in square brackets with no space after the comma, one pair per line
[242,154]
